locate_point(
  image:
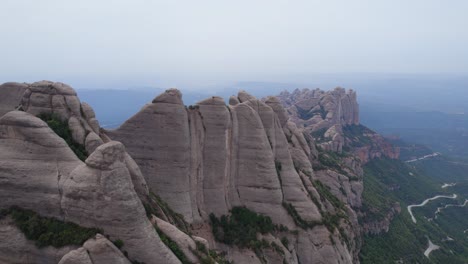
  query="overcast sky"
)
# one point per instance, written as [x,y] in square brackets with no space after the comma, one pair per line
[209,41]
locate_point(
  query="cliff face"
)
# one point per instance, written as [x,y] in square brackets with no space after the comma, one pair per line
[203,161]
[211,157]
[332,118]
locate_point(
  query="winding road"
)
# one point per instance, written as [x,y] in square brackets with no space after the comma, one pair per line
[410,207]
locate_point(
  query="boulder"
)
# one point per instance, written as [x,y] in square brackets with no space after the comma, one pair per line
[102,250]
[77,256]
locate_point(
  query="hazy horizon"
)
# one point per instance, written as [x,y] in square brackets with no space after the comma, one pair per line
[211,43]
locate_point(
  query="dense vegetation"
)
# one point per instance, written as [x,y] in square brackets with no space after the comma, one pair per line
[209,256]
[241,227]
[330,160]
[387,182]
[410,151]
[62,130]
[46,231]
[307,114]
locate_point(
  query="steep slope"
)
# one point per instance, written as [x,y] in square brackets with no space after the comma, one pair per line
[253,180]
[332,118]
[40,170]
[211,158]
[441,221]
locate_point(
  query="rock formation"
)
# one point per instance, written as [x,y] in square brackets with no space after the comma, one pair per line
[331,118]
[33,159]
[40,172]
[202,160]
[95,250]
[210,157]
[100,193]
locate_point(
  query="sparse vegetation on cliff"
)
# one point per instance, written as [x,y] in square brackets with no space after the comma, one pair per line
[45,231]
[62,130]
[241,227]
[172,246]
[357,135]
[156,206]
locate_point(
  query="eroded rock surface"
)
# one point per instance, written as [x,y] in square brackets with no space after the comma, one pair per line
[16,248]
[100,194]
[202,159]
[33,159]
[219,156]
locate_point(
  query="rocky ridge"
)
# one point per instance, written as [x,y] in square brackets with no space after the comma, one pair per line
[202,160]
[211,157]
[332,117]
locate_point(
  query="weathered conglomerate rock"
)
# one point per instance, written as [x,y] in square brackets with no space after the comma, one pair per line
[16,248]
[326,115]
[38,171]
[202,159]
[211,157]
[183,241]
[160,132]
[94,251]
[100,193]
[325,112]
[55,98]
[33,159]
[11,95]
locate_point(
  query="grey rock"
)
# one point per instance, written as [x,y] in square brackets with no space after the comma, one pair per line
[158,140]
[11,95]
[243,96]
[92,141]
[233,100]
[100,194]
[184,241]
[33,160]
[102,250]
[88,111]
[78,132]
[16,248]
[171,96]
[77,256]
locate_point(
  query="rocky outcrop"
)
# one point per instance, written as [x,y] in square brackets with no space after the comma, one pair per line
[16,248]
[53,98]
[211,157]
[378,226]
[11,96]
[202,159]
[323,113]
[38,171]
[332,118]
[158,140]
[33,159]
[100,193]
[376,147]
[94,251]
[186,243]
